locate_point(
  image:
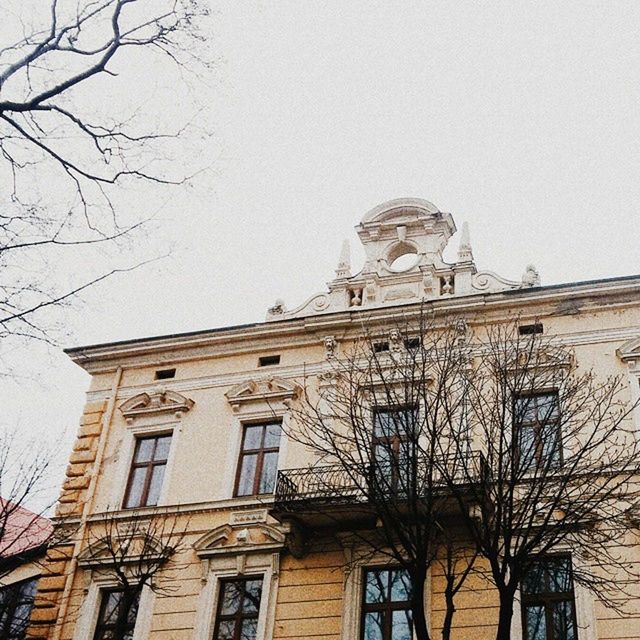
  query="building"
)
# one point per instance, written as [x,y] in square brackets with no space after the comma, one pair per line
[24,539]
[189,426]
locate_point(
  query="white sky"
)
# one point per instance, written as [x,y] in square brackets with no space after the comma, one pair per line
[522,118]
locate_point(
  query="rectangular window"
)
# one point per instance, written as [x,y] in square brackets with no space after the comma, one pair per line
[268,361]
[147,471]
[386,605]
[548,603]
[536,421]
[238,609]
[392,437]
[16,602]
[258,462]
[530,329]
[117,616]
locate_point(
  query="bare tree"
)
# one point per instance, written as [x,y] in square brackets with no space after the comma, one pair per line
[69,151]
[379,423]
[459,444]
[131,552]
[559,465]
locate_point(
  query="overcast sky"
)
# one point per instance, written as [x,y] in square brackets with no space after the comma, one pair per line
[522,118]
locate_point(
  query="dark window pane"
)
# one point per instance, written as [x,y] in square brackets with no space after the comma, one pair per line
[535,624]
[252,595]
[225,630]
[563,628]
[534,581]
[157,475]
[232,593]
[249,629]
[253,437]
[269,471]
[162,448]
[401,628]
[272,436]
[373,626]
[136,487]
[400,586]
[550,444]
[247,474]
[559,570]
[376,587]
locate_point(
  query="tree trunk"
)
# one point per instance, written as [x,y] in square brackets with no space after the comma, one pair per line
[420,626]
[448,616]
[506,615]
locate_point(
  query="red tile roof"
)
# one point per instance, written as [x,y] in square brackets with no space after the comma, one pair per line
[23,529]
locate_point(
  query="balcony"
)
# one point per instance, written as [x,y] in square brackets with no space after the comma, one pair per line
[330,496]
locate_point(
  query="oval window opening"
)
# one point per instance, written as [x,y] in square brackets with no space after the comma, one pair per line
[403,262]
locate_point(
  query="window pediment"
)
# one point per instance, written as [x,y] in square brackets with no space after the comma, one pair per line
[630,350]
[267,390]
[228,539]
[155,402]
[104,552]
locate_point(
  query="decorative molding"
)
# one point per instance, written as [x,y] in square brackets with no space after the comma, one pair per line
[630,350]
[239,539]
[157,401]
[267,390]
[97,555]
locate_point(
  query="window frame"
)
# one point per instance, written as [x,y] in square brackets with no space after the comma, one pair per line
[387,607]
[102,627]
[150,466]
[547,598]
[260,453]
[393,442]
[219,617]
[538,459]
[18,600]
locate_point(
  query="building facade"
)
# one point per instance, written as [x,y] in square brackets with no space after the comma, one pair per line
[191,429]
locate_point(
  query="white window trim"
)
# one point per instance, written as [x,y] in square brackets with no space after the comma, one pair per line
[133,432]
[90,610]
[583,602]
[352,601]
[216,569]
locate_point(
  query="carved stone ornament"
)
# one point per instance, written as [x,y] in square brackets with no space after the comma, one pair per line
[155,402]
[240,539]
[267,390]
[330,346]
[100,554]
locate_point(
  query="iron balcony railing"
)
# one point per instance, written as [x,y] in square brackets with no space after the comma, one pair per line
[335,484]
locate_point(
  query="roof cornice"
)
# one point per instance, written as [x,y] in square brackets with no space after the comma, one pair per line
[247,338]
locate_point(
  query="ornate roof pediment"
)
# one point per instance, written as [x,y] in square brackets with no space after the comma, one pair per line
[155,402]
[404,242]
[630,350]
[266,390]
[228,539]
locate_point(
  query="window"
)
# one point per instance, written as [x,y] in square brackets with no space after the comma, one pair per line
[268,361]
[258,462]
[117,617]
[392,436]
[411,344]
[147,471]
[548,608]
[165,374]
[386,605]
[16,602]
[238,609]
[380,347]
[536,419]
[530,329]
